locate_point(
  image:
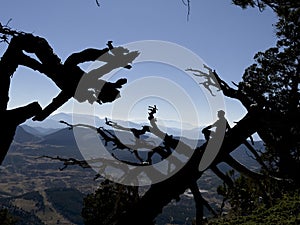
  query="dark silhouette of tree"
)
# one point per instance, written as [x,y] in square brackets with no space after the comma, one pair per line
[68,76]
[269,91]
[108,203]
[160,194]
[209,79]
[271,85]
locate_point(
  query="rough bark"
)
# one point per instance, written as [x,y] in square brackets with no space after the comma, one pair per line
[160,194]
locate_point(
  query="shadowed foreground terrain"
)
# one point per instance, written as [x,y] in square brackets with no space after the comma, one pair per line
[35,189]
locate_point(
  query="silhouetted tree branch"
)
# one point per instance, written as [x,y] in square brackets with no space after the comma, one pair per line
[275,123]
[160,194]
[198,202]
[68,76]
[11,119]
[6,32]
[225,178]
[68,162]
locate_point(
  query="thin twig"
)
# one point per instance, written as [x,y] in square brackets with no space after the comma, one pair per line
[188,5]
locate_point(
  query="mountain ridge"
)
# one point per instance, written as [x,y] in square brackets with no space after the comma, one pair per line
[52,124]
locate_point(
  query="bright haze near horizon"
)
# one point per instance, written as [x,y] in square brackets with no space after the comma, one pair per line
[223,35]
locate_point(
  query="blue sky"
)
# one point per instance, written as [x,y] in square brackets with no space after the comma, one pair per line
[223,35]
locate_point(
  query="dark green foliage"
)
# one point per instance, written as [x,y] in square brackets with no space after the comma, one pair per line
[272,86]
[285,211]
[68,202]
[6,218]
[246,195]
[243,196]
[108,203]
[182,212]
[244,3]
[276,5]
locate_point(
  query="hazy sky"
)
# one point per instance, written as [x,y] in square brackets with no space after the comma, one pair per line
[223,35]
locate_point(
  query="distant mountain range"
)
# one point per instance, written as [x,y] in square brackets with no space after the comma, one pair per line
[54,133]
[52,124]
